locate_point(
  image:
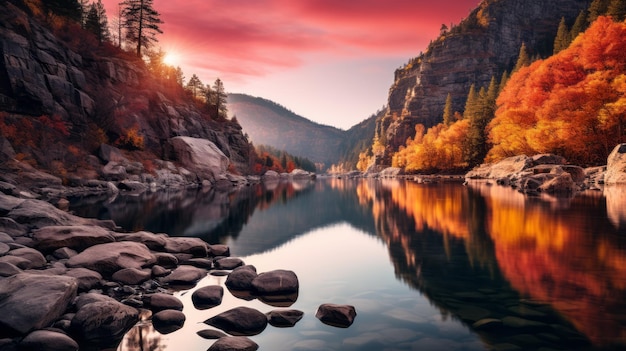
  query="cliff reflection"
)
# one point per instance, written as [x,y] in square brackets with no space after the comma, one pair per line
[492,249]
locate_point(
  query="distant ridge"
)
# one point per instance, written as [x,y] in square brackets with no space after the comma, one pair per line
[268,123]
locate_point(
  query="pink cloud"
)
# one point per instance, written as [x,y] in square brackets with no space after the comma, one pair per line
[240,38]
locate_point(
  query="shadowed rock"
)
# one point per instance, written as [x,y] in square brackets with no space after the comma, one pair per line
[239,321]
[168,321]
[277,282]
[29,301]
[103,321]
[35,258]
[80,237]
[184,275]
[207,297]
[241,278]
[341,316]
[228,263]
[231,343]
[47,340]
[161,301]
[109,258]
[86,278]
[210,334]
[131,276]
[284,318]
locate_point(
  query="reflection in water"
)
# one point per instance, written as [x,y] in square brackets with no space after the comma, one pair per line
[528,271]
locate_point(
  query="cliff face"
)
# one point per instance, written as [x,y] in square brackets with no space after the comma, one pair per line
[41,74]
[482,46]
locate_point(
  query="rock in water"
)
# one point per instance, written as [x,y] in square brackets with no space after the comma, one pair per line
[341,316]
[231,343]
[616,166]
[239,321]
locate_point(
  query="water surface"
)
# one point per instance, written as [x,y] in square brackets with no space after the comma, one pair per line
[427,266]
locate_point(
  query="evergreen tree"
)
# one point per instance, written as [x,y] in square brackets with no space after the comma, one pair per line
[179,76]
[617,10]
[141,22]
[65,8]
[96,22]
[579,25]
[523,59]
[195,86]
[562,40]
[597,8]
[220,97]
[503,80]
[447,111]
[471,104]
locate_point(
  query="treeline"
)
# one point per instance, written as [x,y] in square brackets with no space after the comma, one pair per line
[572,104]
[268,158]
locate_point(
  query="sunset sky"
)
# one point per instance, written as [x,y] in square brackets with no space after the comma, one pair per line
[330,61]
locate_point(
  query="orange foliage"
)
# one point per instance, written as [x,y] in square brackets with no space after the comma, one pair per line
[132,140]
[441,148]
[570,104]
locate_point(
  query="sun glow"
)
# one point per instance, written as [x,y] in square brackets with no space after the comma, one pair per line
[171,59]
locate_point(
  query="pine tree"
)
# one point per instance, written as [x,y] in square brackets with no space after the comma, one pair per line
[579,25]
[220,97]
[523,59]
[562,40]
[617,10]
[141,22]
[503,80]
[447,111]
[195,86]
[65,8]
[471,104]
[597,8]
[96,22]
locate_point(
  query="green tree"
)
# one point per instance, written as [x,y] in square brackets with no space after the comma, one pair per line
[579,26]
[97,23]
[597,8]
[562,40]
[141,22]
[447,111]
[523,59]
[617,10]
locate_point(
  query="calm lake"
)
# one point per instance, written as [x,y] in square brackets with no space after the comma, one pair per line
[427,266]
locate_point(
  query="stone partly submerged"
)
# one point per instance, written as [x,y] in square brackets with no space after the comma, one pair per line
[543,173]
[341,316]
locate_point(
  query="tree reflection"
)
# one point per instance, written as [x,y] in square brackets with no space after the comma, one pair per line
[492,249]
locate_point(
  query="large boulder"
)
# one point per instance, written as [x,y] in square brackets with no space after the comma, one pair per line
[110,258]
[168,321]
[616,166]
[201,156]
[48,340]
[184,275]
[239,321]
[79,237]
[102,320]
[33,301]
[34,258]
[207,297]
[194,246]
[241,278]
[160,301]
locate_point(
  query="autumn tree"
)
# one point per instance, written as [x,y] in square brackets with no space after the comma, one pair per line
[141,22]
[97,23]
[571,104]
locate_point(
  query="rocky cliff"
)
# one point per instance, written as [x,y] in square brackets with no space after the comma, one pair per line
[95,94]
[482,46]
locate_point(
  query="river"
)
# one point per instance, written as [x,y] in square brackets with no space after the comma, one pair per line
[427,266]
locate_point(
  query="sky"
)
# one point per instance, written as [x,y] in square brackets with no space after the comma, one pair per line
[331,61]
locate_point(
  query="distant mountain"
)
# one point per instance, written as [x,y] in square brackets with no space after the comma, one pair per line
[268,123]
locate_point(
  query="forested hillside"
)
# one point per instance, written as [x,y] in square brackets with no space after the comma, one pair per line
[443,101]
